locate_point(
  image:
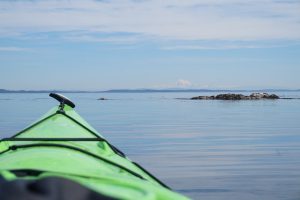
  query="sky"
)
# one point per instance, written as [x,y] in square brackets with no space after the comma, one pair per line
[113,44]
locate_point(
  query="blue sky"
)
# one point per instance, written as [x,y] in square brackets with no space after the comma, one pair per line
[94,45]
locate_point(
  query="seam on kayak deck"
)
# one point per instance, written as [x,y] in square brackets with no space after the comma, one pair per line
[78,139]
[152,176]
[20,173]
[33,125]
[78,123]
[15,147]
[115,149]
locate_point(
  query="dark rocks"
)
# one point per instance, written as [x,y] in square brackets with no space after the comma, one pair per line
[263,96]
[229,96]
[203,97]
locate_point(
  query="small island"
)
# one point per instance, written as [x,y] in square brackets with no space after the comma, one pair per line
[229,96]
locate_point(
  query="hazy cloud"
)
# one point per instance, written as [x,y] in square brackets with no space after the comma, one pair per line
[155,19]
[208,47]
[13,49]
[107,39]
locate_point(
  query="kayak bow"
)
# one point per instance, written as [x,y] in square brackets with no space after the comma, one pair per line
[62,149]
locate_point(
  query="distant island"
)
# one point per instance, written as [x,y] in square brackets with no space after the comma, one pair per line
[233,96]
[146,91]
[229,96]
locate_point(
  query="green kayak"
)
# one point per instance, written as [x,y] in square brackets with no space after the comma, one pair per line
[62,153]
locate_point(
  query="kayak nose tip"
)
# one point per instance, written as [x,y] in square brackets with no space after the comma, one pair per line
[62,100]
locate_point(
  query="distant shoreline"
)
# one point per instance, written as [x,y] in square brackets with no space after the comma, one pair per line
[145,91]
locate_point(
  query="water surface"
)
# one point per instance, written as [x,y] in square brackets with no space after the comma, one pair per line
[208,149]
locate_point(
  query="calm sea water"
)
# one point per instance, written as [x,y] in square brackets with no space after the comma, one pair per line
[216,150]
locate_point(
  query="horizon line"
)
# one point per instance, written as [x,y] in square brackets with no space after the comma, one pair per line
[144,90]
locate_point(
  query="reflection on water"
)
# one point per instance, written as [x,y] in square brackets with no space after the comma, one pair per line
[203,149]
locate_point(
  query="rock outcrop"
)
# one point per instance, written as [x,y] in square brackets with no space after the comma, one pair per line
[263,96]
[253,96]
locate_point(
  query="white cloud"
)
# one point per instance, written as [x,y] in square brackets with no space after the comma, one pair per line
[183,83]
[156,19]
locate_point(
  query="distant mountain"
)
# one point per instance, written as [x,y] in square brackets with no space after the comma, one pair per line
[3,91]
[42,91]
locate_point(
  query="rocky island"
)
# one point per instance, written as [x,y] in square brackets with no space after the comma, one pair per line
[229,96]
